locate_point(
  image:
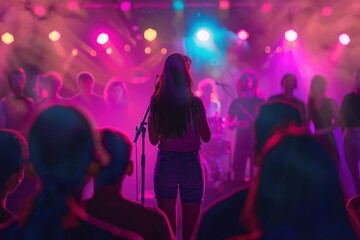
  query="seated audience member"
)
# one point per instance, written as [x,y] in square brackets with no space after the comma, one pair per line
[62,146]
[221,219]
[111,206]
[297,194]
[13,153]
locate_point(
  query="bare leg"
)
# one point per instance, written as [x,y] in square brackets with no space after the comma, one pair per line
[168,206]
[190,214]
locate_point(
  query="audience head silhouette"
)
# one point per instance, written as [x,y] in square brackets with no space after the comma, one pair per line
[61,146]
[297,194]
[119,147]
[13,154]
[85,82]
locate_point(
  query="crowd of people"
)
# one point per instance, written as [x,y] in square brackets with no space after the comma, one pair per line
[51,147]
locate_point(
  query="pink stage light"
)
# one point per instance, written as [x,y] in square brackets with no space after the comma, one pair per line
[326,11]
[291,35]
[344,39]
[224,4]
[40,11]
[243,34]
[125,6]
[102,38]
[266,7]
[73,5]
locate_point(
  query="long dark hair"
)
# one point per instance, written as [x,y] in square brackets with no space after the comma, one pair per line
[173,107]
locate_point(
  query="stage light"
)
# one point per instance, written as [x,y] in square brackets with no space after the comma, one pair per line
[178,5]
[75,52]
[290,35]
[203,35]
[150,34]
[266,7]
[163,51]
[344,39]
[109,51]
[125,6]
[267,49]
[7,38]
[40,11]
[127,48]
[54,36]
[224,4]
[243,34]
[147,50]
[278,49]
[326,11]
[73,6]
[102,38]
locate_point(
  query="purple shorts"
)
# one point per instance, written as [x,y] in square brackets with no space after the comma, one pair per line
[179,170]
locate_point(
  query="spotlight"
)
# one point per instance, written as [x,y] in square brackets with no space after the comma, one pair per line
[178,5]
[224,4]
[54,36]
[150,34]
[344,39]
[243,34]
[203,35]
[291,35]
[102,38]
[125,6]
[7,38]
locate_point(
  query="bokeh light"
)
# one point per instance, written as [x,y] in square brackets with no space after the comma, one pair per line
[224,4]
[7,38]
[326,11]
[243,34]
[203,35]
[267,49]
[344,39]
[127,48]
[291,35]
[54,36]
[102,38]
[178,5]
[109,51]
[125,6]
[163,51]
[73,5]
[150,34]
[40,11]
[75,52]
[266,7]
[147,50]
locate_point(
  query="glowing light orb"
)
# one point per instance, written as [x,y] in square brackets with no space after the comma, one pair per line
[127,48]
[102,38]
[54,36]
[224,4]
[291,35]
[109,51]
[7,38]
[203,35]
[74,52]
[163,51]
[150,34]
[125,6]
[147,50]
[243,34]
[344,39]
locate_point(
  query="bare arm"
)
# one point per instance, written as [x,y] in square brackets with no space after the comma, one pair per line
[203,126]
[153,135]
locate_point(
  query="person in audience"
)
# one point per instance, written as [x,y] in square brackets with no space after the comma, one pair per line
[177,124]
[148,222]
[289,84]
[240,117]
[62,150]
[350,112]
[48,88]
[18,108]
[117,107]
[220,219]
[18,111]
[297,194]
[323,112]
[13,154]
[87,98]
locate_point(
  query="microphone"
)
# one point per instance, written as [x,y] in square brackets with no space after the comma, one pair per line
[221,84]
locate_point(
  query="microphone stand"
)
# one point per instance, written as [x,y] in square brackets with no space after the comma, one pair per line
[141,129]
